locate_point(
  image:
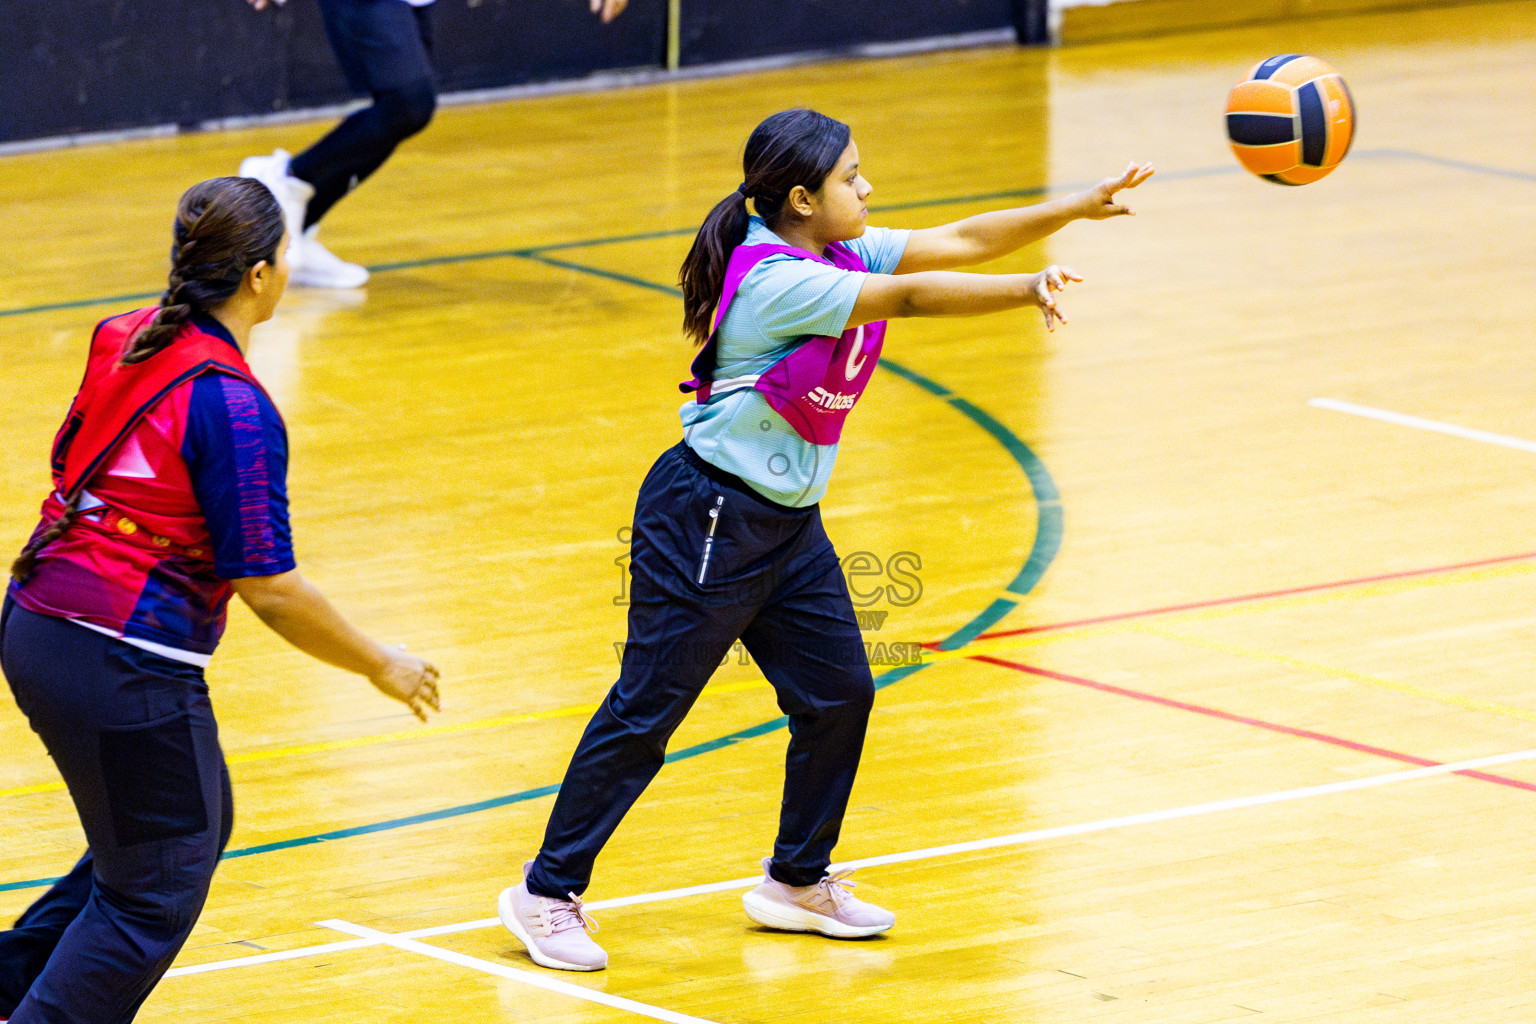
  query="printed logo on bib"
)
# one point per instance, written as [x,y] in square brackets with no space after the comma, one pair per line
[832,402]
[855,364]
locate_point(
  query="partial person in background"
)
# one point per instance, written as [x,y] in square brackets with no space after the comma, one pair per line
[385,49]
[169,496]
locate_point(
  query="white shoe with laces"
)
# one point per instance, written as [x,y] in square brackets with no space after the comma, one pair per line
[555,931]
[826,907]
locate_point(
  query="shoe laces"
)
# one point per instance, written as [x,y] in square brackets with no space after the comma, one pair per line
[568,913]
[836,887]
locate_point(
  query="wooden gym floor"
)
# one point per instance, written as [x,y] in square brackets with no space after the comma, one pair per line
[1228,584]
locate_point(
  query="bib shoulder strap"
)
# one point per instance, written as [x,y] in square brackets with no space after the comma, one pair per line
[115,396]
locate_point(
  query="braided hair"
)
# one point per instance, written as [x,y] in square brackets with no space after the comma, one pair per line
[224,227]
[793,147]
[26,562]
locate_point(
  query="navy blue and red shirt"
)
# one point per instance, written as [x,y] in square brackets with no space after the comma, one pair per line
[186,497]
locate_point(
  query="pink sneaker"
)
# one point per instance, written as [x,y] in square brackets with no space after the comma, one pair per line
[826,907]
[555,931]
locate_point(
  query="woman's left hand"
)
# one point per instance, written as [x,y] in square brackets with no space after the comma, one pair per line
[1098,203]
[410,680]
[1049,281]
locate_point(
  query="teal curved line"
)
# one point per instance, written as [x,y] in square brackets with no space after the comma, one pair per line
[1047,543]
[1042,553]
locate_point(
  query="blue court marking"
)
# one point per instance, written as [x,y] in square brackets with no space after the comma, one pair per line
[537,252]
[1047,542]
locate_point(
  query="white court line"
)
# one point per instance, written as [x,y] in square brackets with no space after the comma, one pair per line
[971,846]
[269,958]
[1419,423]
[537,980]
[618,901]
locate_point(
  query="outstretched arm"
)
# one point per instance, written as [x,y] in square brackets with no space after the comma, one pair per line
[987,236]
[945,293]
[296,611]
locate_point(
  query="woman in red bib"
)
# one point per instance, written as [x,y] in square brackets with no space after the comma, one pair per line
[169,496]
[789,308]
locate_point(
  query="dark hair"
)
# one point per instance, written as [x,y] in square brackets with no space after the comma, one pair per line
[21,568]
[793,147]
[224,227]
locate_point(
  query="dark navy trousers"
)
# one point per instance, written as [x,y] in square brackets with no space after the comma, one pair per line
[385,49]
[134,737]
[768,576]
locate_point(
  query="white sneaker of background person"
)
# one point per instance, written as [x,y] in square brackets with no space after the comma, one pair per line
[555,931]
[310,263]
[826,907]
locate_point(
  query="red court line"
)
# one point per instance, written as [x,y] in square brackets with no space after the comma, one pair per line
[1258,723]
[1245,598]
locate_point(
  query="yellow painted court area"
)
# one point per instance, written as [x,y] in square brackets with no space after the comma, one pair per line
[1207,618]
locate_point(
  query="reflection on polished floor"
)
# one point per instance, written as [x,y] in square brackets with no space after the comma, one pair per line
[1226,586]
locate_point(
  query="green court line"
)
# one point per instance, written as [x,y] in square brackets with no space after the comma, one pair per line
[915,378]
[1047,542]
[538,252]
[1048,530]
[993,614]
[1455,165]
[80,303]
[608,275]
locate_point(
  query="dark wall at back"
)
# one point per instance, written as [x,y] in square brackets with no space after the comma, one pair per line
[102,65]
[722,30]
[71,66]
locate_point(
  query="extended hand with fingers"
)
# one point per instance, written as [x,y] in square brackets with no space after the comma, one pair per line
[1098,203]
[410,680]
[1050,280]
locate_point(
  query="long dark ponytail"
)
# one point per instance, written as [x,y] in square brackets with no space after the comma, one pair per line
[224,227]
[793,147]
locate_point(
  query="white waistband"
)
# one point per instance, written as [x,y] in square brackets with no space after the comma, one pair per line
[173,653]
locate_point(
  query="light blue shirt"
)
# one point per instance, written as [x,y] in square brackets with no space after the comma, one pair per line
[782,301]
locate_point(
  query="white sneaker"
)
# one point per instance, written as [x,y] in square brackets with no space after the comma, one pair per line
[826,907]
[555,931]
[292,193]
[314,266]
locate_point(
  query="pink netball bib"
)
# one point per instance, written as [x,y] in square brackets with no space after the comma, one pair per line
[816,385]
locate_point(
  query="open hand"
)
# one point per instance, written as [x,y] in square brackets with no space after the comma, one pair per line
[1098,202]
[1049,281]
[408,679]
[610,9]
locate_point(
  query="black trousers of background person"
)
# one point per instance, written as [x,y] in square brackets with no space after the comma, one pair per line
[773,580]
[385,49]
[134,737]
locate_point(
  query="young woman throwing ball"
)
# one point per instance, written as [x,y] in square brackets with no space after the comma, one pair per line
[789,307]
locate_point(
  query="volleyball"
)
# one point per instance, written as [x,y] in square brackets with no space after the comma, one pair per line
[1291,120]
